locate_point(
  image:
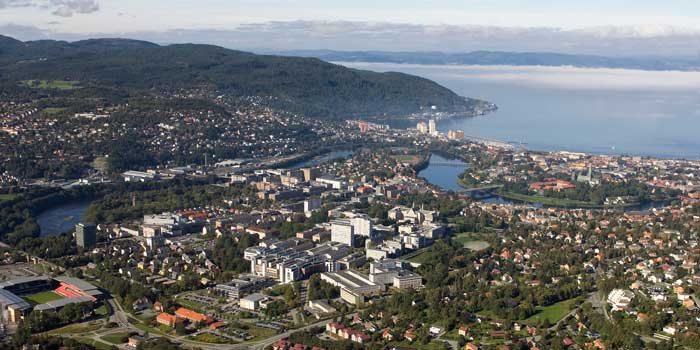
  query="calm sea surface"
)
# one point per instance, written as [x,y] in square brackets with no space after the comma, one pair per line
[602,111]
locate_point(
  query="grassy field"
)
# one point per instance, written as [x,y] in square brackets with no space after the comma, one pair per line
[77,328]
[260,333]
[552,313]
[102,310]
[7,197]
[53,110]
[421,258]
[41,298]
[51,84]
[115,338]
[472,240]
[97,344]
[211,338]
[539,199]
[194,305]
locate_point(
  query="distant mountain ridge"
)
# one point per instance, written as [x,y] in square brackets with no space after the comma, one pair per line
[306,85]
[503,58]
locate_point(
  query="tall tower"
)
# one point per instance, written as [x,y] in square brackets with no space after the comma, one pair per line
[432,128]
[85,235]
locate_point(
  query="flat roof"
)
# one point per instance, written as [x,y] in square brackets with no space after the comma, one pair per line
[9,299]
[21,280]
[80,284]
[254,297]
[55,304]
[350,279]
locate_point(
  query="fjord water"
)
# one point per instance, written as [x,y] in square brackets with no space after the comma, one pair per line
[600,111]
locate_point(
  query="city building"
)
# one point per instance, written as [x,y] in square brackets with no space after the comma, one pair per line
[312,204]
[168,319]
[620,299]
[393,273]
[244,284]
[251,302]
[455,135]
[286,263]
[422,127]
[342,231]
[354,286]
[192,316]
[432,127]
[86,235]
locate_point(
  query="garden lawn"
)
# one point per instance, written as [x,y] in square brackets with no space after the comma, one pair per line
[7,197]
[51,84]
[552,313]
[115,338]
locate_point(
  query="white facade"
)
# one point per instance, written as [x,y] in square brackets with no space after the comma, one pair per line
[251,302]
[362,226]
[619,299]
[432,127]
[342,231]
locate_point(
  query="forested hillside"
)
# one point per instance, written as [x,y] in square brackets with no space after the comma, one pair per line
[305,85]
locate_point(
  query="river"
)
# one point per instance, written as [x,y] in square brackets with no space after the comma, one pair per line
[599,111]
[443,172]
[61,218]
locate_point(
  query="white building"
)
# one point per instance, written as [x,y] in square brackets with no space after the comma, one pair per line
[392,272]
[334,182]
[362,225]
[342,231]
[432,128]
[354,286]
[251,302]
[620,299]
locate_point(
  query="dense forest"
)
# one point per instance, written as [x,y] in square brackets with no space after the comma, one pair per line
[304,85]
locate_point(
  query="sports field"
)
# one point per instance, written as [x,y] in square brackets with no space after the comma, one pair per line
[42,297]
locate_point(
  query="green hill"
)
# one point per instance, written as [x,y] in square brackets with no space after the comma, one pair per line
[306,85]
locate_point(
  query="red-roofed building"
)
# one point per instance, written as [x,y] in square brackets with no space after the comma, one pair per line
[168,319]
[192,316]
[216,325]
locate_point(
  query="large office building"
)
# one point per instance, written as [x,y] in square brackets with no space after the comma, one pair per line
[432,127]
[354,286]
[393,273]
[345,230]
[287,263]
[243,285]
[86,235]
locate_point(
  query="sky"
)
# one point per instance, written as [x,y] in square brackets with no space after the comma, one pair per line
[612,27]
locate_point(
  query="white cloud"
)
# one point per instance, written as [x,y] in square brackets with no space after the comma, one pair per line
[62,8]
[383,36]
[569,78]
